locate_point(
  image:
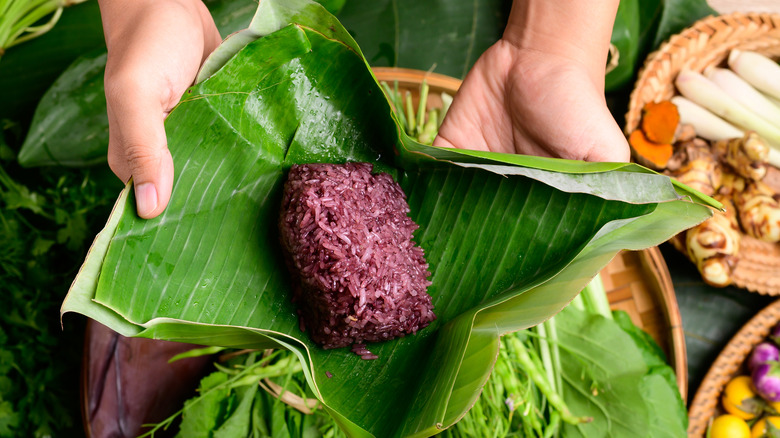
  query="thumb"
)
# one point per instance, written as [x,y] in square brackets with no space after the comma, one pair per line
[138,149]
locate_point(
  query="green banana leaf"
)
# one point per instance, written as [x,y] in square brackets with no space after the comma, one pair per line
[510,239]
[70,126]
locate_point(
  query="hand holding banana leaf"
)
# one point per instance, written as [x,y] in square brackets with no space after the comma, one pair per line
[541,92]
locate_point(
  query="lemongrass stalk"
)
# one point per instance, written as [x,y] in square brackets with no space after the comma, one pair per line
[774,157]
[772,99]
[707,125]
[744,93]
[760,71]
[702,91]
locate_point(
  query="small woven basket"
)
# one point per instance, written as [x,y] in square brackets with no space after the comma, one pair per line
[708,42]
[728,364]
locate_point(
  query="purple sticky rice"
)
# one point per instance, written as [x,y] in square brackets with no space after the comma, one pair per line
[358,275]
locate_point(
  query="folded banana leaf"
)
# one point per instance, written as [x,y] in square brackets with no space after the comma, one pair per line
[510,239]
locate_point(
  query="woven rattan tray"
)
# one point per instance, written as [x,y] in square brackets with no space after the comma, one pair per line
[637,282]
[726,366]
[708,42]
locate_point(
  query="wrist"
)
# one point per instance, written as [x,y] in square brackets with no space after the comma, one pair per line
[573,30]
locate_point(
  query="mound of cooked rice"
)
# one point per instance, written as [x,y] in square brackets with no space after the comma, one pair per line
[348,241]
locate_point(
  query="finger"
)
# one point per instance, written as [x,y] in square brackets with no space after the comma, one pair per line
[612,146]
[138,147]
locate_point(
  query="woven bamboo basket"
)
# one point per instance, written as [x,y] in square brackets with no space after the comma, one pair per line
[708,42]
[637,282]
[728,364]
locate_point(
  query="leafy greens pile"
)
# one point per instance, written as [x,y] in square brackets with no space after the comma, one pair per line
[294,88]
[585,372]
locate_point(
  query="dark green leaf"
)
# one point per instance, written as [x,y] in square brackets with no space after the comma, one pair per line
[204,414]
[70,126]
[625,38]
[446,35]
[27,70]
[679,14]
[238,423]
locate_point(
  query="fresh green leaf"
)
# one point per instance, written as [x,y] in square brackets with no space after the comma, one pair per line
[70,126]
[205,414]
[625,38]
[679,14]
[601,365]
[237,425]
[447,35]
[209,270]
[9,419]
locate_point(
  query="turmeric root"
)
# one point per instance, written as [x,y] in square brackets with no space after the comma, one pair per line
[660,121]
[714,245]
[695,165]
[647,153]
[759,211]
[747,155]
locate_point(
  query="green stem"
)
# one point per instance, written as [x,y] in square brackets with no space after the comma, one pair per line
[35,32]
[410,114]
[422,105]
[535,374]
[595,298]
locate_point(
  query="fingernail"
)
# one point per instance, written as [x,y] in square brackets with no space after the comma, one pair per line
[146,199]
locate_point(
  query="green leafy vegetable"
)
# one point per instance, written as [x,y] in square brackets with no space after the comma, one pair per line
[209,269]
[44,219]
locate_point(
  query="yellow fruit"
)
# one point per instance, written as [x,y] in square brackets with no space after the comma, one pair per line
[759,429]
[739,398]
[729,426]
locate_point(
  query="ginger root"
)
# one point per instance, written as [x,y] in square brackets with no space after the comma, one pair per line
[714,245]
[759,211]
[747,155]
[694,165]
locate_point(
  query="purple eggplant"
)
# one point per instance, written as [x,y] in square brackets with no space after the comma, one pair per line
[763,353]
[766,379]
[775,335]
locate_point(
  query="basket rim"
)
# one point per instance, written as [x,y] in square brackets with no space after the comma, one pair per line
[705,26]
[726,366]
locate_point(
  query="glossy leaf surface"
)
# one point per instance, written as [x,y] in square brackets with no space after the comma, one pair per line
[510,239]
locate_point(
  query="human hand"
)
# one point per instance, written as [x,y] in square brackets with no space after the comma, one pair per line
[538,95]
[155,48]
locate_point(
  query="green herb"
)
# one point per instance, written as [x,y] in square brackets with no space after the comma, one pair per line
[47,218]
[23,20]
[230,404]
